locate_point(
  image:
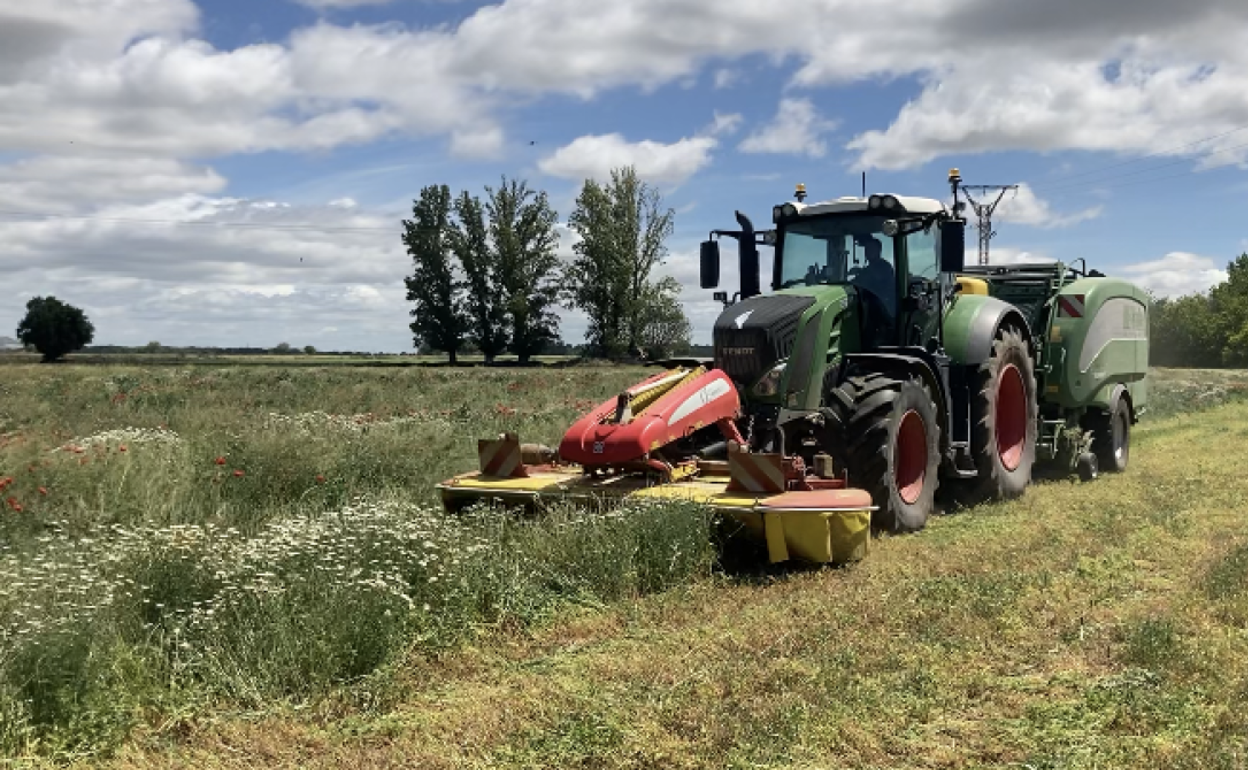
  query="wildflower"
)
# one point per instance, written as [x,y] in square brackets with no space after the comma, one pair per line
[121,448]
[320,478]
[219,461]
[43,490]
[238,473]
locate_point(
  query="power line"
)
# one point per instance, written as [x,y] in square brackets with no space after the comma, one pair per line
[1098,183]
[220,225]
[1166,151]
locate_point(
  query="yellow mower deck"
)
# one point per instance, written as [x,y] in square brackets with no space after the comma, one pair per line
[791,528]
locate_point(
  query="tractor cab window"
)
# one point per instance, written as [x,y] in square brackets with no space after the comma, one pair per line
[921,250]
[840,249]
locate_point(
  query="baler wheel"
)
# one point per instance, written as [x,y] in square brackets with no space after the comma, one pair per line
[1111,437]
[887,434]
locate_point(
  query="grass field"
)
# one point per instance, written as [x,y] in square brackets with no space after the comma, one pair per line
[242,566]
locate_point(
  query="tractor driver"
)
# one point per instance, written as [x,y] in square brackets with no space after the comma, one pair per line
[877,275]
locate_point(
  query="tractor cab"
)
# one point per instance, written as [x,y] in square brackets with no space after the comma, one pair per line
[887,260]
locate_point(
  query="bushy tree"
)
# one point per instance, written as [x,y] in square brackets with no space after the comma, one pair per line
[54,328]
[1207,329]
[485,300]
[523,235]
[666,330]
[433,287]
[1230,305]
[624,230]
[1184,332]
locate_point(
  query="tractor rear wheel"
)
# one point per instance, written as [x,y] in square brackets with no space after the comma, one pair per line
[889,439]
[1111,437]
[1005,412]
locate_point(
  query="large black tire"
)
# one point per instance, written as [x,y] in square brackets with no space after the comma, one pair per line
[888,436]
[1005,413]
[1111,437]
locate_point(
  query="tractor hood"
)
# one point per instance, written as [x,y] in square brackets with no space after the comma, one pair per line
[753,335]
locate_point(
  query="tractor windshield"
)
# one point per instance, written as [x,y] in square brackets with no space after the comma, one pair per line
[839,249]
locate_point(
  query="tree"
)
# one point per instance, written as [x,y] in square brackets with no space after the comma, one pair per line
[666,330]
[485,297]
[54,328]
[282,348]
[1230,305]
[309,350]
[434,290]
[623,231]
[1184,332]
[523,235]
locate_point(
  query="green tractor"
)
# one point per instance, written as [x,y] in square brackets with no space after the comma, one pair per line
[880,348]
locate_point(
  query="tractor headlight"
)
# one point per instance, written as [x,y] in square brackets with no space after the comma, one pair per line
[769,385]
[783,212]
[890,228]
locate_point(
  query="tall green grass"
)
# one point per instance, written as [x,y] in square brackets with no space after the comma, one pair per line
[100,631]
[177,540]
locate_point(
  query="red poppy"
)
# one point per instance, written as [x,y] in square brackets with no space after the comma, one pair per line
[43,490]
[121,448]
[219,461]
[320,479]
[238,474]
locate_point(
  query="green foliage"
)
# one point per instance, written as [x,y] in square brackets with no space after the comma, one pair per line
[623,230]
[1207,329]
[54,328]
[485,299]
[666,330]
[433,289]
[524,240]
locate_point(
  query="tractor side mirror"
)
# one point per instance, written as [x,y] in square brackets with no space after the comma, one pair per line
[952,246]
[709,257]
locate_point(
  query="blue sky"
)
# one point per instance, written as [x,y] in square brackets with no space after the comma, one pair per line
[233,173]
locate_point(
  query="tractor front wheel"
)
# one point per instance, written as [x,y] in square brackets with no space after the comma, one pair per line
[1004,441]
[890,442]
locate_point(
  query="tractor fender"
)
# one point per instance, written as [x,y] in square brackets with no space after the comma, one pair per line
[972,324]
[912,363]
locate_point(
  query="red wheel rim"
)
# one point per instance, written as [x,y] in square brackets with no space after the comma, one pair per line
[910,457]
[1011,419]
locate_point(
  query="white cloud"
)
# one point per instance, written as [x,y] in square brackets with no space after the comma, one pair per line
[125,76]
[327,4]
[216,270]
[1024,207]
[1006,255]
[593,157]
[1175,274]
[47,184]
[478,142]
[795,130]
[725,124]
[726,78]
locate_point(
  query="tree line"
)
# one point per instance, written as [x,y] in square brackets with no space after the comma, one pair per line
[486,274]
[1207,329]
